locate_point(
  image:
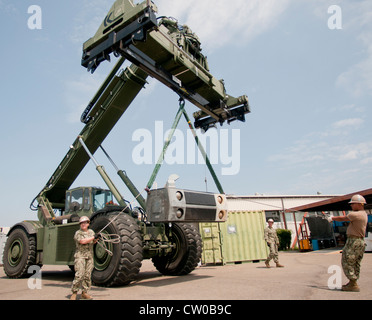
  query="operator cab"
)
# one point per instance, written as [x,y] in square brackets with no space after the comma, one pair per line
[87,200]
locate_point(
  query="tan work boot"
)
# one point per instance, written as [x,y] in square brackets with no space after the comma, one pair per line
[267,264]
[73,296]
[352,286]
[86,296]
[278,265]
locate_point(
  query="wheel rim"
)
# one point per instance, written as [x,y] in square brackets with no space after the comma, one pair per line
[101,257]
[178,252]
[15,252]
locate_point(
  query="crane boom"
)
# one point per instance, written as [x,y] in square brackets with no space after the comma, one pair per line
[101,118]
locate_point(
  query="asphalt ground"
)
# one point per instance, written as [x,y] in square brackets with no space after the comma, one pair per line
[314,275]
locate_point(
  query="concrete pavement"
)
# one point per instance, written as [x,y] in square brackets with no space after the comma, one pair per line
[306,276]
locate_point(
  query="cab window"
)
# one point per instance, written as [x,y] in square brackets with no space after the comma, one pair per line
[86,199]
[101,198]
[76,202]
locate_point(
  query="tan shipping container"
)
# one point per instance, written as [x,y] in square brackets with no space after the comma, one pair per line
[239,239]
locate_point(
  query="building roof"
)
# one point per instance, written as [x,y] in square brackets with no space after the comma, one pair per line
[340,203]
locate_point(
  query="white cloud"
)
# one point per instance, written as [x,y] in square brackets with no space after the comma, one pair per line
[358,79]
[313,166]
[219,22]
[352,122]
[313,153]
[78,93]
[366,160]
[8,8]
[348,107]
[351,155]
[353,151]
[338,129]
[151,86]
[88,20]
[339,142]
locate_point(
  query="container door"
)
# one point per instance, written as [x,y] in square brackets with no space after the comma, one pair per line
[243,237]
[212,251]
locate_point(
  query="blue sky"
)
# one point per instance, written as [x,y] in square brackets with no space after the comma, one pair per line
[309,88]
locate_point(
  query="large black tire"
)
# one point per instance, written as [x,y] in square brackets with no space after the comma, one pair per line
[19,253]
[123,266]
[187,253]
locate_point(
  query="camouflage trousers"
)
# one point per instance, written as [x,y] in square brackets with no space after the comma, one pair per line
[352,255]
[273,252]
[83,274]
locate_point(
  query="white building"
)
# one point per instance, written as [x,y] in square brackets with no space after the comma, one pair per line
[276,207]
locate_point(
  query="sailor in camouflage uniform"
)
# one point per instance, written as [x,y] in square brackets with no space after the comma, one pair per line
[353,251]
[84,264]
[272,241]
